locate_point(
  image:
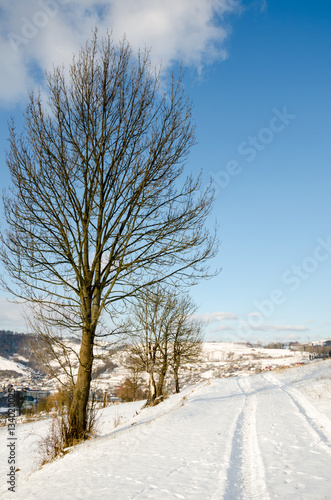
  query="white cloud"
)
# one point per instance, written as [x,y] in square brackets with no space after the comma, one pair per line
[287,338]
[215,317]
[38,33]
[279,328]
[221,328]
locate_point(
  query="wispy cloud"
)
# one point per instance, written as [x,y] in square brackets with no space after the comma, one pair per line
[38,33]
[216,317]
[263,5]
[288,337]
[221,328]
[279,328]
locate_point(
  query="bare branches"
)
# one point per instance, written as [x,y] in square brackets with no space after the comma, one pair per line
[96,200]
[164,334]
[99,208]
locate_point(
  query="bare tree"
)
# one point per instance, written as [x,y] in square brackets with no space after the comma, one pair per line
[164,334]
[187,338]
[99,208]
[150,329]
[134,384]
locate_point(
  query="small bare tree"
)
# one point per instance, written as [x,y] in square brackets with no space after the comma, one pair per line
[164,334]
[187,338]
[98,207]
[150,327]
[135,368]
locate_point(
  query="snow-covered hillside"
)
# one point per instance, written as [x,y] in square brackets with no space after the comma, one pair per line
[265,436]
[218,359]
[13,366]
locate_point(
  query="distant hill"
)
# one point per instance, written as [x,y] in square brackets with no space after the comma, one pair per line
[16,346]
[325,342]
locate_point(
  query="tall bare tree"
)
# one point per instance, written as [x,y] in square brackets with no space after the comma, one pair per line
[99,207]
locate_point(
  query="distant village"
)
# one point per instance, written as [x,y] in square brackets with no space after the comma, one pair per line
[113,384]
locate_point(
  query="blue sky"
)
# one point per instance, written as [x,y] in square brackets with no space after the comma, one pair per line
[259,75]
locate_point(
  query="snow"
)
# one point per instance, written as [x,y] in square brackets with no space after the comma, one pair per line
[223,351]
[7,364]
[218,360]
[265,436]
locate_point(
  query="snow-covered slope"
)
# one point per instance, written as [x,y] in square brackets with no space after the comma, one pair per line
[8,364]
[266,436]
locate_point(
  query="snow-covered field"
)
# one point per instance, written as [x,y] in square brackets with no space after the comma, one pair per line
[265,436]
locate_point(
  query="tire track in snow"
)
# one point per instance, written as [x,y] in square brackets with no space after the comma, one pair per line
[144,489]
[226,478]
[254,470]
[245,475]
[313,419]
[234,485]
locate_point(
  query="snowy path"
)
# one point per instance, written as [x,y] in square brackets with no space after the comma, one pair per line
[250,438]
[298,446]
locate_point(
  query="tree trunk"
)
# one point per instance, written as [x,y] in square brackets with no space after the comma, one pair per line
[163,371]
[152,389]
[176,379]
[78,407]
[135,385]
